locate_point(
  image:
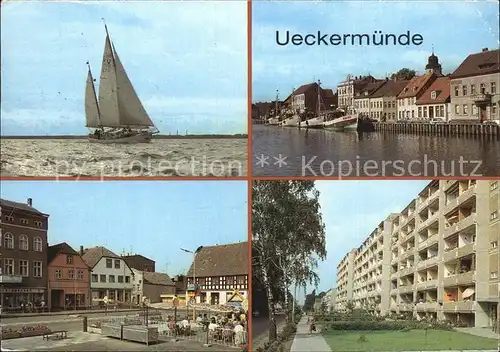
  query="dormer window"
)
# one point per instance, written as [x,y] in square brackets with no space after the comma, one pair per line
[366,93]
[415,89]
[433,94]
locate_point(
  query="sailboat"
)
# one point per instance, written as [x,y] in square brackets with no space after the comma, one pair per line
[116,114]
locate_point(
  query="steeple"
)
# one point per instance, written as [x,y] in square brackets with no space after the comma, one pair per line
[433,65]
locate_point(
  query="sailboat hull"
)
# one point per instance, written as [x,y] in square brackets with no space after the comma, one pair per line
[138,138]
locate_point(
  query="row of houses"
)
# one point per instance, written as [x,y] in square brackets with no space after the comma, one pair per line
[36,274]
[469,93]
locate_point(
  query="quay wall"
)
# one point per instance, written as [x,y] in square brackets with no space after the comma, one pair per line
[445,129]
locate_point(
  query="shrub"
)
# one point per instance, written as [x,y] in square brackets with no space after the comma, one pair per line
[385,325]
[362,338]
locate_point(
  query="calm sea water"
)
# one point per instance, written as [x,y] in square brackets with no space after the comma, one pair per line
[161,157]
[289,151]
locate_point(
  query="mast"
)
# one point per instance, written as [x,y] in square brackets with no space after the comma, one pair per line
[108,38]
[95,94]
[319,98]
[276,104]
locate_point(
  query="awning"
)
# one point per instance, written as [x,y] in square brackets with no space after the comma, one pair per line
[468,292]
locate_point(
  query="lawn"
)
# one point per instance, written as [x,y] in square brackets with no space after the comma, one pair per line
[406,341]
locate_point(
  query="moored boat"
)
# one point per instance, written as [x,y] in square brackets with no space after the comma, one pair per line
[291,121]
[344,123]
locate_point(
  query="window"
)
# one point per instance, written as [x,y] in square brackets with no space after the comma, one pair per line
[457,109]
[38,223]
[433,94]
[456,91]
[465,109]
[117,263]
[127,279]
[474,110]
[493,109]
[464,90]
[493,185]
[472,89]
[109,263]
[493,275]
[57,274]
[94,278]
[494,215]
[419,111]
[80,274]
[493,88]
[37,244]
[23,268]
[8,266]
[425,111]
[24,222]
[102,278]
[9,218]
[8,240]
[441,111]
[120,279]
[69,259]
[23,242]
[37,269]
[494,244]
[482,88]
[111,279]
[71,274]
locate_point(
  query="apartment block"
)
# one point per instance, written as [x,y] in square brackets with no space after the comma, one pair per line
[345,271]
[438,258]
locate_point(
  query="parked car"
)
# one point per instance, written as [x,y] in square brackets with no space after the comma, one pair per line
[436,120]
[490,122]
[256,313]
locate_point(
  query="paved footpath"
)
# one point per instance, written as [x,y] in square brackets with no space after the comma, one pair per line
[305,342]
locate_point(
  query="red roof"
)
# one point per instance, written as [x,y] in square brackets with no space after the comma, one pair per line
[483,63]
[442,88]
[415,85]
[390,89]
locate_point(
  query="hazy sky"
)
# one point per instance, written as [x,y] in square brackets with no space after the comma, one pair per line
[352,210]
[455,28]
[187,62]
[152,218]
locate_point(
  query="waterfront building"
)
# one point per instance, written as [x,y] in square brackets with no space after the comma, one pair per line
[475,85]
[305,99]
[68,279]
[219,271]
[433,65]
[23,254]
[384,100]
[435,101]
[139,262]
[347,89]
[362,100]
[111,277]
[438,258]
[151,285]
[407,98]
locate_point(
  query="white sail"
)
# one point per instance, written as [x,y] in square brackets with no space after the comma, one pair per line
[132,112]
[91,108]
[108,97]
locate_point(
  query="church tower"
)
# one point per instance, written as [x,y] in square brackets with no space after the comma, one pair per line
[433,65]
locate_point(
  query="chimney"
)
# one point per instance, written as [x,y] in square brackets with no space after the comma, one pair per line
[81,250]
[30,202]
[484,49]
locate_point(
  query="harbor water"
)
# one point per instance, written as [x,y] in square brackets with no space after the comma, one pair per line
[293,152]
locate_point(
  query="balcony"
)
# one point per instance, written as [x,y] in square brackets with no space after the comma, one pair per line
[452,204]
[460,225]
[405,307]
[427,306]
[460,279]
[427,262]
[406,271]
[481,98]
[406,288]
[461,306]
[450,254]
[466,250]
[427,284]
[465,195]
[11,279]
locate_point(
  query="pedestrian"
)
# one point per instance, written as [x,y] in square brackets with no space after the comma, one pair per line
[312,324]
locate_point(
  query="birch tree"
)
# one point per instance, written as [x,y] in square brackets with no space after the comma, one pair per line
[288,238]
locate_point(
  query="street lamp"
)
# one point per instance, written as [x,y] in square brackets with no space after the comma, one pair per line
[194,273]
